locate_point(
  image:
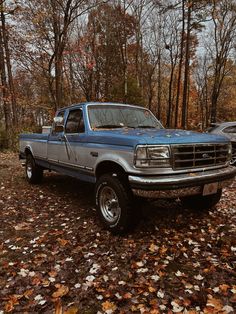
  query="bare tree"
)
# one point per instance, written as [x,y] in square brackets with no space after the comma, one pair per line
[223,15]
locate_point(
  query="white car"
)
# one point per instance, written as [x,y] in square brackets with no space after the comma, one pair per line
[228,129]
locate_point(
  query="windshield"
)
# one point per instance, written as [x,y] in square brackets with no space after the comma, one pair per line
[108,117]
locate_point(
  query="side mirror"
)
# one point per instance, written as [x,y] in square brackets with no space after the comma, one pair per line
[58,124]
[58,120]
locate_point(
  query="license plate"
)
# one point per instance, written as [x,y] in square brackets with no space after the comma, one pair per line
[210,188]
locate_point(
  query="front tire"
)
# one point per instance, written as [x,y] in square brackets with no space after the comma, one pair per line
[113,202]
[33,172]
[200,202]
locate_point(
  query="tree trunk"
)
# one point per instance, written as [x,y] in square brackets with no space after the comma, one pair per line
[180,65]
[9,70]
[186,70]
[58,79]
[214,98]
[159,86]
[169,107]
[5,93]
[58,51]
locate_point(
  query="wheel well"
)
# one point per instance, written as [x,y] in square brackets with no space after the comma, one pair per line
[109,167]
[27,151]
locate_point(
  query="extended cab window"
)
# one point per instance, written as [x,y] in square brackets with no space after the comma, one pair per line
[75,122]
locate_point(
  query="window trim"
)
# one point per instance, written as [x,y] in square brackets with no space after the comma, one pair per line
[74,109]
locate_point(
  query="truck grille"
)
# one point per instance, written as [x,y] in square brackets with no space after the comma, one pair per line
[233,153]
[199,155]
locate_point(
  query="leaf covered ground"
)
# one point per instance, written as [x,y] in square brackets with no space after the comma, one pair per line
[56,258]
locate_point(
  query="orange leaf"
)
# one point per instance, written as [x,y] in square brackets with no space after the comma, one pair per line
[163,250]
[151,289]
[9,307]
[52,273]
[224,287]
[36,281]
[28,293]
[127,295]
[153,248]
[58,307]
[45,283]
[61,291]
[13,300]
[215,303]
[72,310]
[186,302]
[108,306]
[62,242]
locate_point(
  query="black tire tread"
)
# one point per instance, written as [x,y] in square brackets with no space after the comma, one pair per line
[37,171]
[125,198]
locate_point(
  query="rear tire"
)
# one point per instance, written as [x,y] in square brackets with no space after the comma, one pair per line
[33,172]
[113,202]
[200,202]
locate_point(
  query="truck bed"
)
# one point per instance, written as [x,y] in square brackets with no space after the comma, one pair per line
[36,142]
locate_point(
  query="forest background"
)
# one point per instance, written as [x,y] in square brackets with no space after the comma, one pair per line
[176,58]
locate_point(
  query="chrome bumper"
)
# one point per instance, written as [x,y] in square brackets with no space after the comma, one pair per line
[180,185]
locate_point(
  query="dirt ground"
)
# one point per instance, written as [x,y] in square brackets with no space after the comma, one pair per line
[56,258]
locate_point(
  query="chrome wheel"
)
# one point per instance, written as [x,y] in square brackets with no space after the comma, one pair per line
[109,204]
[233,161]
[29,170]
[33,172]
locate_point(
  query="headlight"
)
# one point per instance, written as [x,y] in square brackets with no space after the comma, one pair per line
[152,156]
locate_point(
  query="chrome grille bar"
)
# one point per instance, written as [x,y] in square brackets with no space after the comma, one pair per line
[199,155]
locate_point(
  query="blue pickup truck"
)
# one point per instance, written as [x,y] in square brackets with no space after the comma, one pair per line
[126,152]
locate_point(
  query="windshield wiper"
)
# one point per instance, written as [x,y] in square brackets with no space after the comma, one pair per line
[145,127]
[109,126]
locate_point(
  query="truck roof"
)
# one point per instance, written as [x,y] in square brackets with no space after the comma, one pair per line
[98,103]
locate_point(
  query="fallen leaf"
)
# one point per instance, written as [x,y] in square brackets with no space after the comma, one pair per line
[62,242]
[108,306]
[199,277]
[127,295]
[9,307]
[153,248]
[61,291]
[28,293]
[13,300]
[151,289]
[71,310]
[224,287]
[58,307]
[163,250]
[215,303]
[22,226]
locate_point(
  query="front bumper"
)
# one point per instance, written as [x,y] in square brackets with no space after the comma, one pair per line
[180,185]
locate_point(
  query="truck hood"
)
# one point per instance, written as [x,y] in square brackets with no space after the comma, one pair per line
[133,137]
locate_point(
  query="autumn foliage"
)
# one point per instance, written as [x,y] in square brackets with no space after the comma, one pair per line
[174,57]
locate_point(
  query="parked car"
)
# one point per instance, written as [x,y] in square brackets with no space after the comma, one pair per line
[125,151]
[228,129]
